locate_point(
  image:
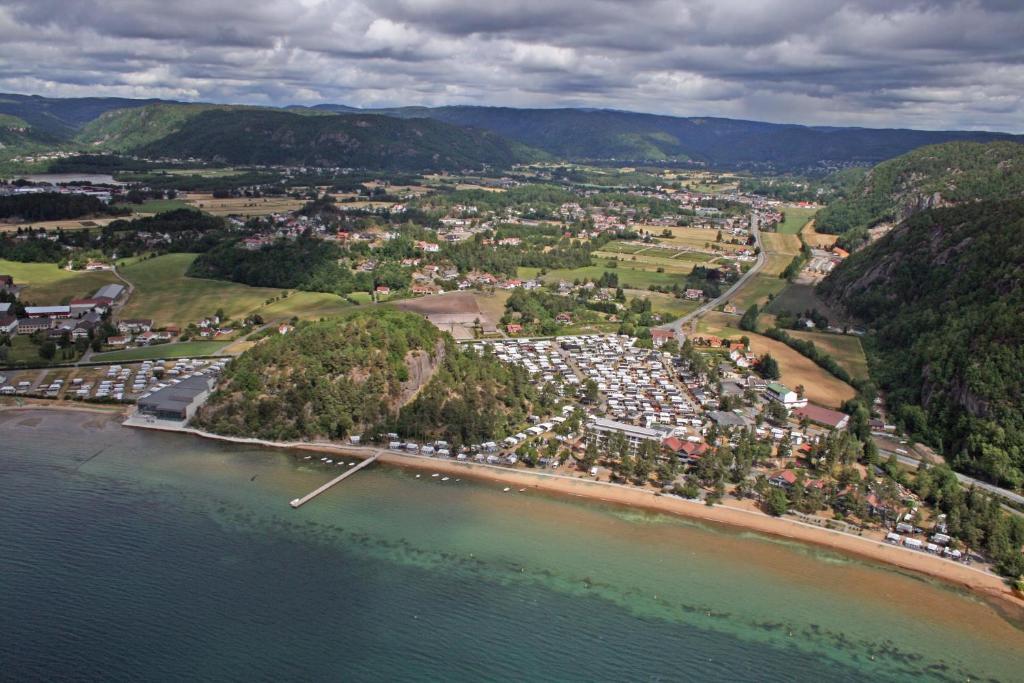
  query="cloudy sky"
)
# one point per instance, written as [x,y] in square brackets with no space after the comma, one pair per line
[923,64]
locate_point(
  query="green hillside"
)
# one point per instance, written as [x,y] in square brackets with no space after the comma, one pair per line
[944,292]
[369,371]
[933,176]
[264,137]
[121,130]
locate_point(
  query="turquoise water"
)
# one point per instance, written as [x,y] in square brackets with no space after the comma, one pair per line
[133,555]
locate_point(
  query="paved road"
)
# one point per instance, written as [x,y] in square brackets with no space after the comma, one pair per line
[762,258]
[1015,498]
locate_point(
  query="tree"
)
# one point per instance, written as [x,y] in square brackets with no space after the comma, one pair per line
[776,503]
[749,320]
[590,392]
[47,350]
[768,367]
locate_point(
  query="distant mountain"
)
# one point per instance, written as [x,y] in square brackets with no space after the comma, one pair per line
[627,136]
[932,176]
[259,136]
[944,295]
[514,134]
[62,117]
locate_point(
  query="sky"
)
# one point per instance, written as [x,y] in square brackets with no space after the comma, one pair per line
[929,64]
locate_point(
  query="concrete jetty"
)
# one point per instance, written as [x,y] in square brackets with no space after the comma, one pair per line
[299,502]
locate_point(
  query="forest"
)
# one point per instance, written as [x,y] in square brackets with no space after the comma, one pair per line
[945,296]
[54,206]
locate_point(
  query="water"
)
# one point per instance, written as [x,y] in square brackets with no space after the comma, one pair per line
[134,555]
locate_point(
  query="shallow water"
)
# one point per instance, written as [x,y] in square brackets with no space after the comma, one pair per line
[131,554]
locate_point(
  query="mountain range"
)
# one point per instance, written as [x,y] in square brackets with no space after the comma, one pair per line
[444,138]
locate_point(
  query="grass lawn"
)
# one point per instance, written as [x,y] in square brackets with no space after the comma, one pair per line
[796,218]
[668,306]
[646,261]
[181,350]
[845,348]
[163,293]
[47,285]
[159,206]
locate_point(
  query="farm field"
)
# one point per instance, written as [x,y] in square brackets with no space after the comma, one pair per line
[154,206]
[797,298]
[796,219]
[821,387]
[179,350]
[163,293]
[629,276]
[645,261]
[845,348]
[243,206]
[697,238]
[780,249]
[69,224]
[46,284]
[818,239]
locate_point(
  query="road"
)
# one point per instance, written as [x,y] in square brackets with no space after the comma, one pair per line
[911,461]
[762,258]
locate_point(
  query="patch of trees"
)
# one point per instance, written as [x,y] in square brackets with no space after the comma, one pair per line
[797,264]
[471,399]
[35,249]
[180,230]
[305,263]
[324,379]
[54,206]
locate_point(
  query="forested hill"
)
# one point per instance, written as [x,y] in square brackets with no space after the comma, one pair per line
[368,372]
[944,293]
[933,176]
[630,136]
[254,136]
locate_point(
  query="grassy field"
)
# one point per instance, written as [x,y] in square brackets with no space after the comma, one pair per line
[796,219]
[163,293]
[181,350]
[645,261]
[666,305]
[845,348]
[46,284]
[159,206]
[780,250]
[67,224]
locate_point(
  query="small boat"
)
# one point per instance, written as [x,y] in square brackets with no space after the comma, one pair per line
[506,489]
[351,464]
[435,474]
[417,476]
[521,490]
[444,478]
[308,457]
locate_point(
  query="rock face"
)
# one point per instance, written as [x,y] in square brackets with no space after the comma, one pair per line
[932,177]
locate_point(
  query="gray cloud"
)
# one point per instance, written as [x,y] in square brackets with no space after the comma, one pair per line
[915,63]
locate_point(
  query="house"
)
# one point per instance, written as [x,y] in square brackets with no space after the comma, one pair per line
[564,317]
[383,289]
[783,478]
[81,306]
[135,325]
[833,419]
[784,395]
[121,340]
[514,328]
[600,429]
[694,294]
[284,328]
[8,325]
[660,337]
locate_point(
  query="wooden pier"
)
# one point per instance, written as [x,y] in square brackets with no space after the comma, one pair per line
[299,502]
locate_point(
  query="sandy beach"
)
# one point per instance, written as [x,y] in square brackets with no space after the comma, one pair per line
[980,581]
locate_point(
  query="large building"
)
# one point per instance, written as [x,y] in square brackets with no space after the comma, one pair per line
[111,291]
[177,402]
[784,395]
[600,429]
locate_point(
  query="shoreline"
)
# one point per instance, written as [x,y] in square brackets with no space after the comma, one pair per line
[986,585]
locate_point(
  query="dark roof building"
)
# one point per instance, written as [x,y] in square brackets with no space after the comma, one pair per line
[177,402]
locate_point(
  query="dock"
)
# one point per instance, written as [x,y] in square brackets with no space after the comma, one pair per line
[299,502]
